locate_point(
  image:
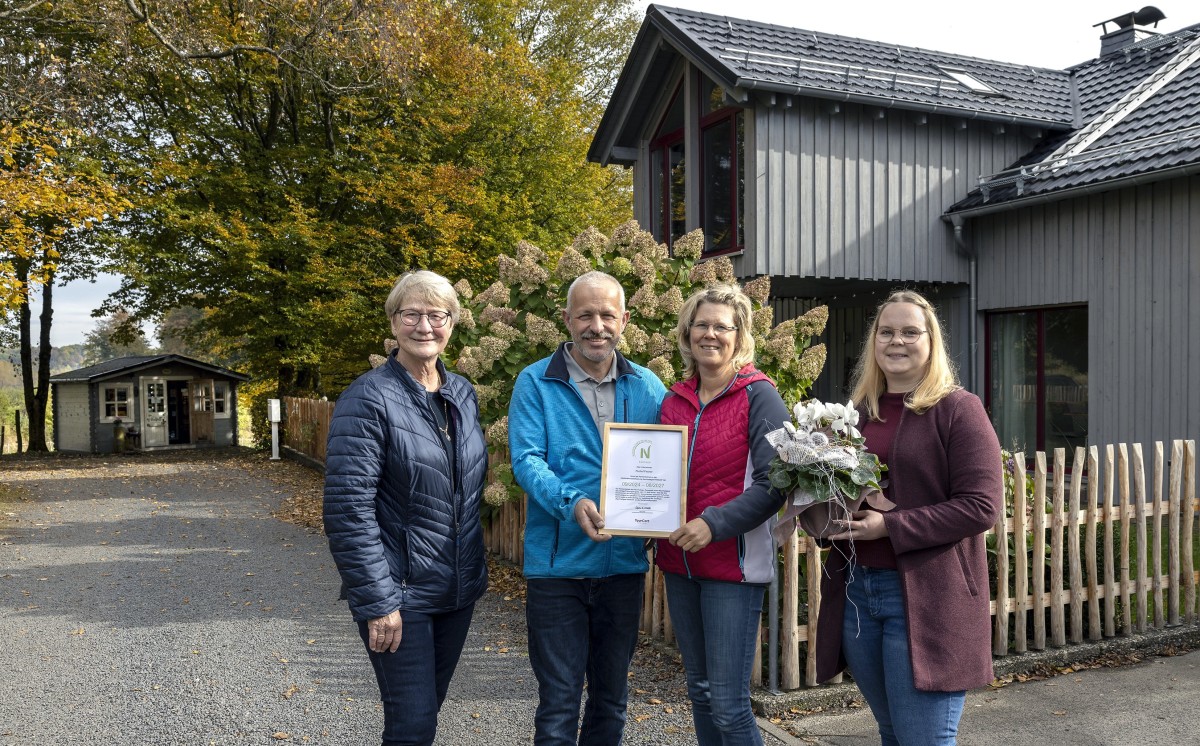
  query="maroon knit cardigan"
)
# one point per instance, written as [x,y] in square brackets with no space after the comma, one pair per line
[945,474]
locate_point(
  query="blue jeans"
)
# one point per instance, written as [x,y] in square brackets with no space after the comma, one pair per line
[875,643]
[582,629]
[414,679]
[716,624]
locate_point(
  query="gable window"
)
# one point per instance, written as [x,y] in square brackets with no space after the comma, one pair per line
[722,140]
[116,401]
[1037,378]
[668,169]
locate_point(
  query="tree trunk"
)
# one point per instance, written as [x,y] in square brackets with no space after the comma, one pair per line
[35,399]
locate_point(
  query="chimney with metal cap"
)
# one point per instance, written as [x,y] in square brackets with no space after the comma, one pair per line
[1131,28]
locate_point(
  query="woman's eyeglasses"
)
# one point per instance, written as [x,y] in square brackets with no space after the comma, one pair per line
[907,336]
[437,319]
[714,328]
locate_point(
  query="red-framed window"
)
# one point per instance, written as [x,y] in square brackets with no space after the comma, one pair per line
[722,174]
[1037,378]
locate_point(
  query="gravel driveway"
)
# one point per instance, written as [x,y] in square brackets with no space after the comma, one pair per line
[157,600]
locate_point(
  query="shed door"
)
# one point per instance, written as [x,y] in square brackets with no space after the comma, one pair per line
[202,411]
[154,422]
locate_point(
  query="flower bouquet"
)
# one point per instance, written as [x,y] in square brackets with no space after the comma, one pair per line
[822,465]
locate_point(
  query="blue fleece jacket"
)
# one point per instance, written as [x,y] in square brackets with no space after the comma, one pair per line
[556,457]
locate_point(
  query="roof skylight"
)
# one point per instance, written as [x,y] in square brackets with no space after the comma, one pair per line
[968,80]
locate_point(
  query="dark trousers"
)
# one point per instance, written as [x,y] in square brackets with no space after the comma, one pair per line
[582,629]
[414,679]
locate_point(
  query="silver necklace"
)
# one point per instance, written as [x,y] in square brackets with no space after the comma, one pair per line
[445,413]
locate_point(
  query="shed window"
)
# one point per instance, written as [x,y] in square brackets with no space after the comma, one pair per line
[221,399]
[1038,378]
[116,401]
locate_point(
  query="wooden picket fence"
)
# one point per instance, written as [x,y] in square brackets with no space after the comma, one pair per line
[306,425]
[1088,553]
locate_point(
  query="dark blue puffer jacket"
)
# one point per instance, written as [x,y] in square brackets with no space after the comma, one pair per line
[401,535]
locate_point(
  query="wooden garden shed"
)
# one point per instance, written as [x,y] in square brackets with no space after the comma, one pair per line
[160,401]
[1052,215]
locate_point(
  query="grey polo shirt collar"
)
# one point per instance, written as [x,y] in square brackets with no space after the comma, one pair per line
[599,396]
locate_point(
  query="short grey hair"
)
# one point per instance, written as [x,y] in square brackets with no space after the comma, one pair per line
[426,286]
[595,278]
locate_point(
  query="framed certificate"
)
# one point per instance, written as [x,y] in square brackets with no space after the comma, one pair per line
[643,483]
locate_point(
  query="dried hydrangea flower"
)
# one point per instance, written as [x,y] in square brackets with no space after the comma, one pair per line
[497,294]
[463,288]
[539,331]
[497,314]
[590,243]
[661,366]
[637,338]
[690,245]
[571,264]
[759,289]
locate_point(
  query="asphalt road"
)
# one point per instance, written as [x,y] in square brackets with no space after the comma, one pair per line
[147,601]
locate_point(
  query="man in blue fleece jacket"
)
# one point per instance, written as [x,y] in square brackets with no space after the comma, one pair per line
[584,593]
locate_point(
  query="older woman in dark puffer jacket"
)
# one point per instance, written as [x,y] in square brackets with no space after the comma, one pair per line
[405,470]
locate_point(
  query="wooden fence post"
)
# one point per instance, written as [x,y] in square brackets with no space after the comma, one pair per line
[1126,581]
[1173,533]
[1074,560]
[1189,501]
[1020,554]
[1000,625]
[1093,585]
[17,430]
[1139,508]
[1039,551]
[789,631]
[1058,626]
[1110,583]
[1160,617]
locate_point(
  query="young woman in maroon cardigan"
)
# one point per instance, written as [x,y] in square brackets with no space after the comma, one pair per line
[905,599]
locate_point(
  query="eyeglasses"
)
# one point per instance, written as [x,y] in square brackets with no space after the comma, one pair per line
[437,319]
[714,328]
[907,336]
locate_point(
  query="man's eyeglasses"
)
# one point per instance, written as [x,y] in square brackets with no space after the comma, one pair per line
[907,336]
[437,319]
[714,328]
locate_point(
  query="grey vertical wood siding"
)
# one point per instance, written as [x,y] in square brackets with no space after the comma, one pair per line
[72,417]
[859,192]
[849,319]
[1133,256]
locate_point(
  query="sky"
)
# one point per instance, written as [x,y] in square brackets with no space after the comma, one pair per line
[1042,33]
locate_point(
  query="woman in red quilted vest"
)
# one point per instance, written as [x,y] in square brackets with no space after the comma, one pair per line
[718,564]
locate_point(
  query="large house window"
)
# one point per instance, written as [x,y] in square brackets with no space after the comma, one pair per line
[1037,378]
[722,140]
[722,133]
[116,401]
[668,169]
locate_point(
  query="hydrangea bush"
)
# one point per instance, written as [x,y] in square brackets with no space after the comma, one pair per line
[518,320]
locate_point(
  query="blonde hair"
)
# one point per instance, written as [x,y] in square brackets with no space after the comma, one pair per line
[423,285]
[727,295]
[940,377]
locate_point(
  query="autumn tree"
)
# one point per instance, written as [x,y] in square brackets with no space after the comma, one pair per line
[287,160]
[50,199]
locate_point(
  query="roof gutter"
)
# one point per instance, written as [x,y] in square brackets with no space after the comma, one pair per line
[1078,191]
[889,102]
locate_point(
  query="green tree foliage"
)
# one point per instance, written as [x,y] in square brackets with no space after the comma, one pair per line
[287,159]
[113,337]
[518,320]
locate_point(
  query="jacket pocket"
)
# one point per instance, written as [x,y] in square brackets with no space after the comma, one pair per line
[968,576]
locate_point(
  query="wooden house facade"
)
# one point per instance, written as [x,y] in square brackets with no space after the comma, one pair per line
[1048,213]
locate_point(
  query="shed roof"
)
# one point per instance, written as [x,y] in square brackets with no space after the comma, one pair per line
[1139,122]
[124,365]
[744,56]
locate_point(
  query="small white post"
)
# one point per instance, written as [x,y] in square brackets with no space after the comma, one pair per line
[273,414]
